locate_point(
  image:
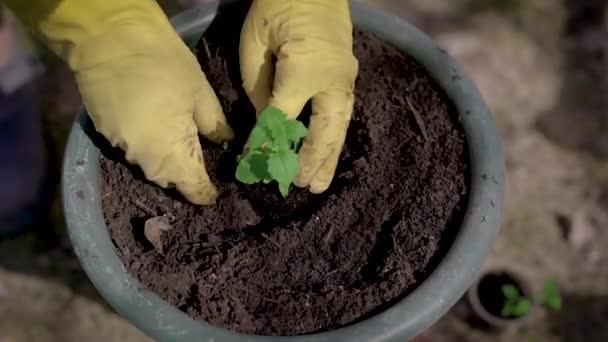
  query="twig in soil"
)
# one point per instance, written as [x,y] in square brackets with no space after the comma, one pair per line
[271,240]
[206,48]
[412,85]
[358,268]
[418,118]
[328,235]
[143,207]
[328,274]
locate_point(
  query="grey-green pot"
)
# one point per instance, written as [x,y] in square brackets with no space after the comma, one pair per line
[404,320]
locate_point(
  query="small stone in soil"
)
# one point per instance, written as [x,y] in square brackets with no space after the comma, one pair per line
[578,230]
[154,228]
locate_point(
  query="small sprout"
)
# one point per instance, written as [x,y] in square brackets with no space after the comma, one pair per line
[549,295]
[515,305]
[271,151]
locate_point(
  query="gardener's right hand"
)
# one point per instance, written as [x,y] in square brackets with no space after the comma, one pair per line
[312,41]
[142,87]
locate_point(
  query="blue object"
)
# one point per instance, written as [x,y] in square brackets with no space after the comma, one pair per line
[23,160]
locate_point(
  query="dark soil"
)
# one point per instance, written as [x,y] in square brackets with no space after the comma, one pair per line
[490,293]
[257,263]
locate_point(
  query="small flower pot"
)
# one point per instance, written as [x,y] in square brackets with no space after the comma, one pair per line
[486,299]
[401,321]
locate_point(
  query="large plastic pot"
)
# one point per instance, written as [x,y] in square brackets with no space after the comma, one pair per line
[416,312]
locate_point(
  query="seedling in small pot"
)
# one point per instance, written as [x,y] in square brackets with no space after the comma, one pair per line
[515,304]
[271,151]
[500,299]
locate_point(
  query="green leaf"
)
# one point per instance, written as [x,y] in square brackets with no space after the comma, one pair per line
[510,291]
[517,308]
[284,189]
[275,121]
[259,166]
[507,311]
[522,308]
[244,173]
[295,131]
[258,138]
[283,167]
[554,303]
[270,116]
[515,305]
[549,288]
[271,149]
[253,168]
[549,295]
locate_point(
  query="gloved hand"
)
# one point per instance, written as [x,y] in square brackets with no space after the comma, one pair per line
[312,41]
[141,85]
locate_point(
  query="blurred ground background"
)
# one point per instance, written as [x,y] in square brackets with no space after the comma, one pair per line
[542,65]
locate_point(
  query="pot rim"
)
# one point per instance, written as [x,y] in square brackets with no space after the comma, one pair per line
[406,318]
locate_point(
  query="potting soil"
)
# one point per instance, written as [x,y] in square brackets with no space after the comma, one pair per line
[258,263]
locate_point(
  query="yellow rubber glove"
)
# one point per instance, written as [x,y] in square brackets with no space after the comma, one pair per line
[141,85]
[313,43]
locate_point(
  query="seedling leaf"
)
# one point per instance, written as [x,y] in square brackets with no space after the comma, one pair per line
[270,116]
[253,168]
[549,295]
[259,166]
[283,167]
[244,173]
[271,151]
[521,308]
[515,305]
[554,303]
[273,120]
[284,189]
[258,138]
[295,131]
[510,291]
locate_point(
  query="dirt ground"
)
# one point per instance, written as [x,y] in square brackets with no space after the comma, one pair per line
[542,65]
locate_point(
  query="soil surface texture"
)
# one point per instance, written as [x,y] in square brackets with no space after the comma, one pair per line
[258,263]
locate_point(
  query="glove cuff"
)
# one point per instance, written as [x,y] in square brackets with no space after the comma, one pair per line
[85,33]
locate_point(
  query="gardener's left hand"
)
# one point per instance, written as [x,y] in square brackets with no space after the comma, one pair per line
[143,88]
[312,41]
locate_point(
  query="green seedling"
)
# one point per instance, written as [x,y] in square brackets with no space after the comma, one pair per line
[515,305]
[549,295]
[271,151]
